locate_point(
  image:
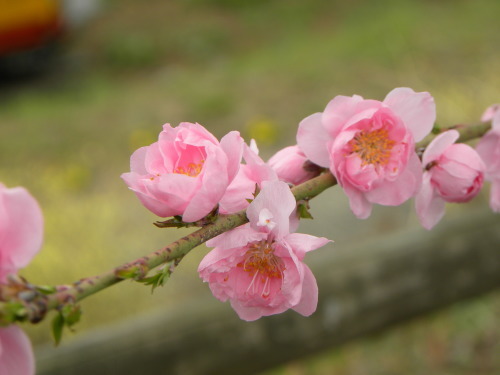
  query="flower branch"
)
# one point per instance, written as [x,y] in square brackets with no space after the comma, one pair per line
[39,303]
[379,152]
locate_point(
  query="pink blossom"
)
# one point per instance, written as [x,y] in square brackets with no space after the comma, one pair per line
[290,165]
[369,145]
[21,229]
[186,172]
[250,176]
[21,235]
[16,354]
[453,173]
[258,267]
[489,150]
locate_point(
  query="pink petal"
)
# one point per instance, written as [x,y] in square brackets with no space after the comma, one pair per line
[237,237]
[417,110]
[360,206]
[339,111]
[232,145]
[488,149]
[289,165]
[21,235]
[309,298]
[490,112]
[496,121]
[252,313]
[394,193]
[495,196]
[276,197]
[359,175]
[430,207]
[438,145]
[194,134]
[312,139]
[303,243]
[16,353]
[213,187]
[138,161]
[237,193]
[256,169]
[158,161]
[464,157]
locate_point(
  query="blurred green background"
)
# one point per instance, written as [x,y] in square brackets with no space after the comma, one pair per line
[258,67]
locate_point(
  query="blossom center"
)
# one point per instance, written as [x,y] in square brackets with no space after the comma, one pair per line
[373,147]
[191,170]
[261,263]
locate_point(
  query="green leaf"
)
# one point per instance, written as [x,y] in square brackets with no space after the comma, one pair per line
[57,328]
[303,211]
[161,277]
[132,271]
[175,222]
[71,314]
[46,289]
[436,129]
[12,312]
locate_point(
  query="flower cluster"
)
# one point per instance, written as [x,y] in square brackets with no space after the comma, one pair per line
[369,146]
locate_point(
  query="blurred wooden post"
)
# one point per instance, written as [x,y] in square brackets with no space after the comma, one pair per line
[362,290]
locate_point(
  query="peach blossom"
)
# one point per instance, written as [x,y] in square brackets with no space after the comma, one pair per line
[186,172]
[369,145]
[21,229]
[259,267]
[291,165]
[453,173]
[21,235]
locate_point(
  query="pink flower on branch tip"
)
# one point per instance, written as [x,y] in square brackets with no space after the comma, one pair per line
[186,172]
[369,145]
[21,235]
[259,267]
[292,166]
[489,150]
[453,173]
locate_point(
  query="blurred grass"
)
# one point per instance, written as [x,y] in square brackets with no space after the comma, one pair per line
[258,67]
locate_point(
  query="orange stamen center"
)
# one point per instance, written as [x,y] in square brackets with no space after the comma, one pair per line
[191,170]
[261,263]
[373,147]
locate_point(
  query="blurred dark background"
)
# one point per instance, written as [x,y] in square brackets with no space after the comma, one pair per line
[100,78]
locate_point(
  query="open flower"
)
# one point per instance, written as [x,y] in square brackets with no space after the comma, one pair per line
[186,172]
[369,145]
[489,150]
[258,267]
[453,173]
[291,165]
[21,235]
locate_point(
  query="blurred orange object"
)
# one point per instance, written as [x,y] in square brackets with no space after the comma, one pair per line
[29,24]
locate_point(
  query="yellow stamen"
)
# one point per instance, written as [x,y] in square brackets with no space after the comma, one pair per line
[261,263]
[192,169]
[372,147]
